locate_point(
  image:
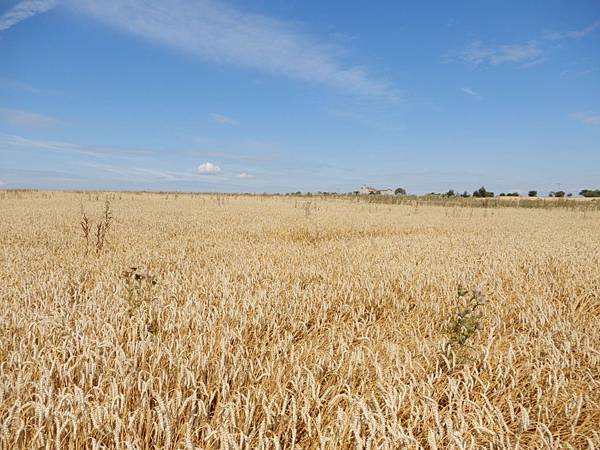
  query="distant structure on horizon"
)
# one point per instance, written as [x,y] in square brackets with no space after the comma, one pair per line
[368,190]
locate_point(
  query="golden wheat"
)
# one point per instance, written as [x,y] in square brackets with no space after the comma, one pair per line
[270,322]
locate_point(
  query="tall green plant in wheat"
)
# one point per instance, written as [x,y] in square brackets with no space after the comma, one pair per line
[464,323]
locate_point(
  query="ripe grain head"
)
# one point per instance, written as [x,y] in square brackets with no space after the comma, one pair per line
[268,326]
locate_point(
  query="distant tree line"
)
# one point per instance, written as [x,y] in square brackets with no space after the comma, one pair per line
[482,192]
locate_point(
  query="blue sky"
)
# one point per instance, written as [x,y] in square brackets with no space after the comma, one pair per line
[279,96]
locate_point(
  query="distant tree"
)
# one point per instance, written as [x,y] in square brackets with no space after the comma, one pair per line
[482,192]
[400,191]
[558,194]
[502,194]
[465,194]
[590,193]
[570,194]
[532,194]
[513,194]
[450,193]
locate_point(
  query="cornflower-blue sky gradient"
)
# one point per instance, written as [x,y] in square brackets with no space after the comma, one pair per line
[279,96]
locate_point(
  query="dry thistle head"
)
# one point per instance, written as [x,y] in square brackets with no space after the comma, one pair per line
[128,273]
[152,326]
[107,215]
[86,227]
[103,227]
[132,273]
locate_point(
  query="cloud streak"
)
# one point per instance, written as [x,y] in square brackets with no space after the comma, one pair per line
[143,173]
[15,85]
[24,10]
[577,34]
[477,53]
[528,54]
[470,92]
[22,143]
[223,120]
[587,118]
[26,119]
[223,34]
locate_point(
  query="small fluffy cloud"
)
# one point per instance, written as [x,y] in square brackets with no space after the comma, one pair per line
[587,118]
[208,169]
[223,120]
[24,10]
[245,175]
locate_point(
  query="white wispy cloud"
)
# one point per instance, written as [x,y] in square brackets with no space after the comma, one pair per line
[23,143]
[26,119]
[575,34]
[217,32]
[528,54]
[142,173]
[222,119]
[587,118]
[208,168]
[577,73]
[470,92]
[224,34]
[16,85]
[245,175]
[24,10]
[585,31]
[535,62]
[478,53]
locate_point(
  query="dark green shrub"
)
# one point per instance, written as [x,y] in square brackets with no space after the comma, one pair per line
[482,193]
[590,193]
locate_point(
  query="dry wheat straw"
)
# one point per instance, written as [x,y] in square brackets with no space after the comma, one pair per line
[261,322]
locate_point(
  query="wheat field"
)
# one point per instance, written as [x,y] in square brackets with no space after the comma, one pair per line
[225,322]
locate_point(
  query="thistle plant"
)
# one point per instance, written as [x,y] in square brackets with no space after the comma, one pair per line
[86,227]
[102,228]
[465,322]
[307,209]
[139,288]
